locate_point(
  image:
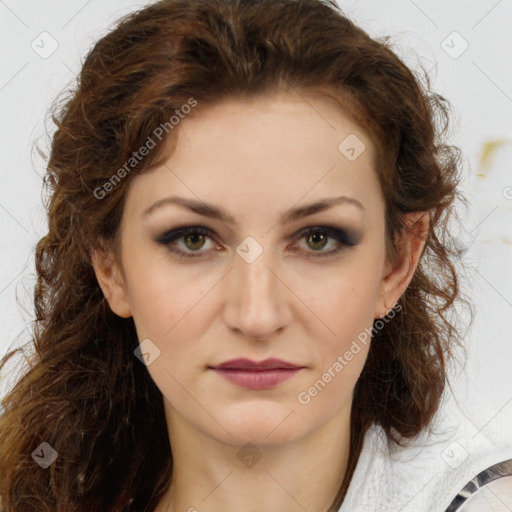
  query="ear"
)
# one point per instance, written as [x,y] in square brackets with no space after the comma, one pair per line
[111,281]
[410,247]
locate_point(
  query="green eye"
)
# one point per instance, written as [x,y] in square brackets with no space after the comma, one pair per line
[196,239]
[317,238]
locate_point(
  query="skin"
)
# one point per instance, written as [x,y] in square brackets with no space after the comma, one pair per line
[257,159]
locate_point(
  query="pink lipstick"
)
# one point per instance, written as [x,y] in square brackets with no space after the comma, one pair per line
[257,375]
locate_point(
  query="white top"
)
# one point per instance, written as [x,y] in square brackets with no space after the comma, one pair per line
[428,474]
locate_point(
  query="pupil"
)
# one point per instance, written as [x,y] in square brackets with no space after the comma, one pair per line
[314,235]
[194,237]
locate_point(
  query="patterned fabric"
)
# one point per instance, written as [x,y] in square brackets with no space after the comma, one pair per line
[503,469]
[428,473]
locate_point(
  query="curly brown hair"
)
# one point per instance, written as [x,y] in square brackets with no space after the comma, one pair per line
[85,393]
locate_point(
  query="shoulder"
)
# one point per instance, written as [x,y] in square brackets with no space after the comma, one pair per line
[431,470]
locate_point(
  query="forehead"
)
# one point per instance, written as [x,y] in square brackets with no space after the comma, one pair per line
[279,148]
[312,116]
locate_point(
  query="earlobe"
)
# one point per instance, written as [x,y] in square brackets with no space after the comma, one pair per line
[410,247]
[111,282]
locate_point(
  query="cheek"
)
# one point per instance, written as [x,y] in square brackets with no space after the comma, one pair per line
[348,298]
[339,358]
[162,294]
[347,307]
[171,307]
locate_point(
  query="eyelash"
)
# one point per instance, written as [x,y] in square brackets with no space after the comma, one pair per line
[345,238]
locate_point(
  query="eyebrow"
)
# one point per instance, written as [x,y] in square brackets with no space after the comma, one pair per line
[215,212]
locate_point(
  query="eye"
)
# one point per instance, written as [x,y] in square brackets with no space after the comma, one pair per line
[193,237]
[316,238]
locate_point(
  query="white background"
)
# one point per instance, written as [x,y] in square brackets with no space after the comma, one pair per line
[478,83]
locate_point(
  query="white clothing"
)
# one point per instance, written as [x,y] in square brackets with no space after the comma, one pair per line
[429,473]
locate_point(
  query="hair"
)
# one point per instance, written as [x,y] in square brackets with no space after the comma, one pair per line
[84,392]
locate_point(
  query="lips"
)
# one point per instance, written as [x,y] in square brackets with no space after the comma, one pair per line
[249,365]
[253,375]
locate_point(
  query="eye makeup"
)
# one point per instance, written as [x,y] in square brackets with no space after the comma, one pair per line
[343,237]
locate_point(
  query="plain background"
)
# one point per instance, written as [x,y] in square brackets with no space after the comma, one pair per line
[464,45]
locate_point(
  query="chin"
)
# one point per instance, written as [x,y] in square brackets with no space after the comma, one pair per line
[260,439]
[266,428]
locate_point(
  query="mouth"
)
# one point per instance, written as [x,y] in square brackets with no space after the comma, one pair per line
[256,375]
[249,365]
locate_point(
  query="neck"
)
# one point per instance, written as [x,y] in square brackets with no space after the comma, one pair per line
[212,476]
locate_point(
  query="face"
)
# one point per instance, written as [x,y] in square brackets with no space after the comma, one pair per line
[260,283]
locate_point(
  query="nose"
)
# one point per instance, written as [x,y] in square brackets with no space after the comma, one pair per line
[257,298]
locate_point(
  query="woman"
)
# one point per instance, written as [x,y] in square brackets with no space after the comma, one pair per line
[242,297]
